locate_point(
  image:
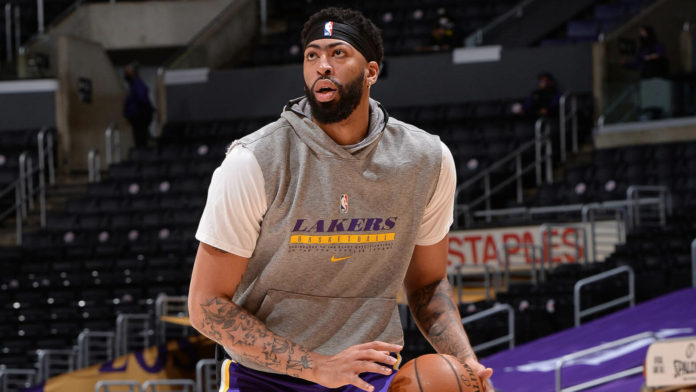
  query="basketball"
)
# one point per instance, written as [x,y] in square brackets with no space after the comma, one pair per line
[435,373]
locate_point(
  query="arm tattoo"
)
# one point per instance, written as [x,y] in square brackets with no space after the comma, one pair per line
[439,320]
[235,328]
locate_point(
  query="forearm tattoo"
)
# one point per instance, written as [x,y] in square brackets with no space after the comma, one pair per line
[439,320]
[235,328]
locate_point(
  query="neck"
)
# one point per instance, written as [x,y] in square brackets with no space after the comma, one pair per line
[351,130]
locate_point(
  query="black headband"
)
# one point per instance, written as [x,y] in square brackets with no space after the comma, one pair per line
[347,33]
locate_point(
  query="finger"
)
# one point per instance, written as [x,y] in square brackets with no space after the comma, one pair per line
[371,367]
[382,346]
[362,384]
[485,373]
[375,356]
[485,376]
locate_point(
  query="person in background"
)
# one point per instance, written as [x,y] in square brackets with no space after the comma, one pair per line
[442,35]
[543,101]
[137,109]
[650,59]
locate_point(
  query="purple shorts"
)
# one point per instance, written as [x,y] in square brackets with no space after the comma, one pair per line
[237,378]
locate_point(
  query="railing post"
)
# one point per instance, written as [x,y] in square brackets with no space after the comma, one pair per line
[112,140]
[487,193]
[263,11]
[107,143]
[40,15]
[633,207]
[593,234]
[49,156]
[41,138]
[518,174]
[23,183]
[93,166]
[30,183]
[537,149]
[17,26]
[18,213]
[562,124]
[549,153]
[574,122]
[507,267]
[663,207]
[8,32]
[546,239]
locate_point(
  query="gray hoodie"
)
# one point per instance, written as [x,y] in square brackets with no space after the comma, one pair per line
[340,229]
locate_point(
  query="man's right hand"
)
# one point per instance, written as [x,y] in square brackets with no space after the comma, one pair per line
[344,368]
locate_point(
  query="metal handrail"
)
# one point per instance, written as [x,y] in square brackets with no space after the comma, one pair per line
[664,202]
[487,273]
[29,375]
[547,238]
[186,384]
[23,158]
[112,141]
[45,140]
[564,117]
[44,362]
[541,142]
[122,330]
[528,212]
[8,32]
[17,26]
[84,346]
[23,187]
[498,308]
[536,258]
[630,298]
[596,349]
[93,166]
[205,370]
[163,307]
[589,215]
[103,385]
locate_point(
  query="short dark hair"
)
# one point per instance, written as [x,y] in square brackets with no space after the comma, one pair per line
[350,17]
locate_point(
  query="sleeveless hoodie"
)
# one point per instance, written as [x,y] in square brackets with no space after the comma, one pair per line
[339,232]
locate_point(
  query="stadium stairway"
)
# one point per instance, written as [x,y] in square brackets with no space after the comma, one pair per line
[531,367]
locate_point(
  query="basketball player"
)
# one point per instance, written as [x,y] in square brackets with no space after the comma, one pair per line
[314,222]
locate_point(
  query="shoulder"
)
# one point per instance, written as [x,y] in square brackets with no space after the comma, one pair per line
[406,127]
[266,134]
[412,136]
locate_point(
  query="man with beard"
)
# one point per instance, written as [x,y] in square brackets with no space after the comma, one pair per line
[313,224]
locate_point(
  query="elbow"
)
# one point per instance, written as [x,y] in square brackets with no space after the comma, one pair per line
[194,311]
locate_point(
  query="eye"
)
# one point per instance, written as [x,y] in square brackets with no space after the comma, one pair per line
[339,52]
[311,56]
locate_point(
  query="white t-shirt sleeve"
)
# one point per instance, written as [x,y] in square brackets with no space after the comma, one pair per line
[235,205]
[439,213]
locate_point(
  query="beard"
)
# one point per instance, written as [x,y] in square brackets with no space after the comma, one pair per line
[336,110]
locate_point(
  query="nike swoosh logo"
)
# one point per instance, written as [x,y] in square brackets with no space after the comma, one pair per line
[335,259]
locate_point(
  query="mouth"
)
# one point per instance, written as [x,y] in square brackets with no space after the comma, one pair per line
[325,91]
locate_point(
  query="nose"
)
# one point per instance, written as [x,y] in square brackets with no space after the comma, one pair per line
[325,67]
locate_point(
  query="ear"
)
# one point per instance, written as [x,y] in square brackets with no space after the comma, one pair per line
[372,69]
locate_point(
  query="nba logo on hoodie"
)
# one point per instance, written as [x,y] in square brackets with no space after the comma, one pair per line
[328,29]
[344,203]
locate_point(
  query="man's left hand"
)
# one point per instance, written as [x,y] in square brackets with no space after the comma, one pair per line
[483,373]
